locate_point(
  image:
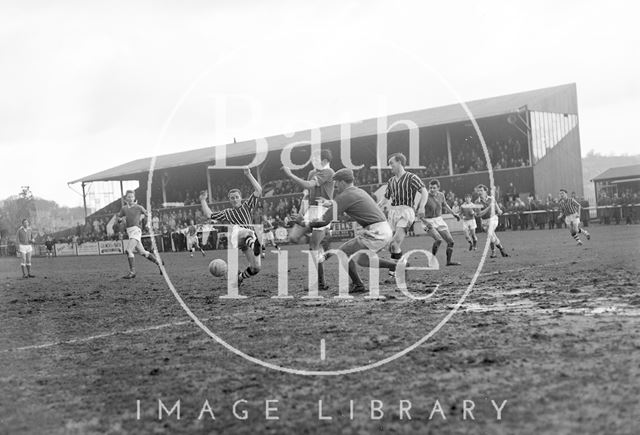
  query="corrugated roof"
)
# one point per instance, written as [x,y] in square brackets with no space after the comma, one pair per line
[619,172]
[560,99]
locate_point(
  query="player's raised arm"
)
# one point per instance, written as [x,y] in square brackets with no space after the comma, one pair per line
[257,188]
[304,183]
[203,203]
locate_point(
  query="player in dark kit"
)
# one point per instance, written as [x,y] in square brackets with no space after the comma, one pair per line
[49,245]
[376,233]
[320,185]
[24,237]
[239,217]
[402,190]
[435,224]
[132,213]
[489,213]
[570,210]
[468,212]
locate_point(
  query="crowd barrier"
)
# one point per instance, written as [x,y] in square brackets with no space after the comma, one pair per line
[629,213]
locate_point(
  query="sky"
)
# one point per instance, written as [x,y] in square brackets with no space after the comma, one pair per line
[85,87]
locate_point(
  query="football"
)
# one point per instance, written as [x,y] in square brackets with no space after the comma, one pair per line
[218,267]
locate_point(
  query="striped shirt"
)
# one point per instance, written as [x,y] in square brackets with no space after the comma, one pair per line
[569,206]
[403,190]
[237,215]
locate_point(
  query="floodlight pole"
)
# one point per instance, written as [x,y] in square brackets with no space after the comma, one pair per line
[121,194]
[210,191]
[449,151]
[84,202]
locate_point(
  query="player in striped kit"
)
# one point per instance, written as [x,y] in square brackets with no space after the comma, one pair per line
[24,238]
[468,212]
[239,217]
[489,213]
[570,210]
[435,224]
[319,184]
[402,189]
[268,236]
[132,213]
[192,239]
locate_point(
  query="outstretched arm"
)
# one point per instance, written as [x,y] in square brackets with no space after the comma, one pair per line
[304,183]
[424,195]
[257,188]
[203,203]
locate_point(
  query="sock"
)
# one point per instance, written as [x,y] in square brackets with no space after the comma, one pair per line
[493,247]
[248,272]
[320,274]
[576,236]
[353,274]
[434,248]
[152,259]
[396,255]
[449,253]
[23,267]
[132,268]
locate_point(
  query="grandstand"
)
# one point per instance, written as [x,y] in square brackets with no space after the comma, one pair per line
[532,138]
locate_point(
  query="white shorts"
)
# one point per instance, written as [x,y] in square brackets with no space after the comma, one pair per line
[437,223]
[490,225]
[237,237]
[572,219]
[192,240]
[25,249]
[268,237]
[134,233]
[401,216]
[315,213]
[375,237]
[469,224]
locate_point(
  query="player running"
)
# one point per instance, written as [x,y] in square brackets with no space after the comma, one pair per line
[192,239]
[320,185]
[268,236]
[401,191]
[489,214]
[132,213]
[375,234]
[570,210]
[435,224]
[468,212]
[24,238]
[239,218]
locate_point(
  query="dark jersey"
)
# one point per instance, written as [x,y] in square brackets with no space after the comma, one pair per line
[433,208]
[237,215]
[402,191]
[324,189]
[488,201]
[359,205]
[132,214]
[468,211]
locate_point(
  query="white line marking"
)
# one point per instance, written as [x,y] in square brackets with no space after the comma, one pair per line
[323,354]
[95,337]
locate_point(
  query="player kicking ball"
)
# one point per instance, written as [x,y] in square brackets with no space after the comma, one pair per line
[469,226]
[192,239]
[132,213]
[25,239]
[489,214]
[320,186]
[570,210]
[375,235]
[435,224]
[239,218]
